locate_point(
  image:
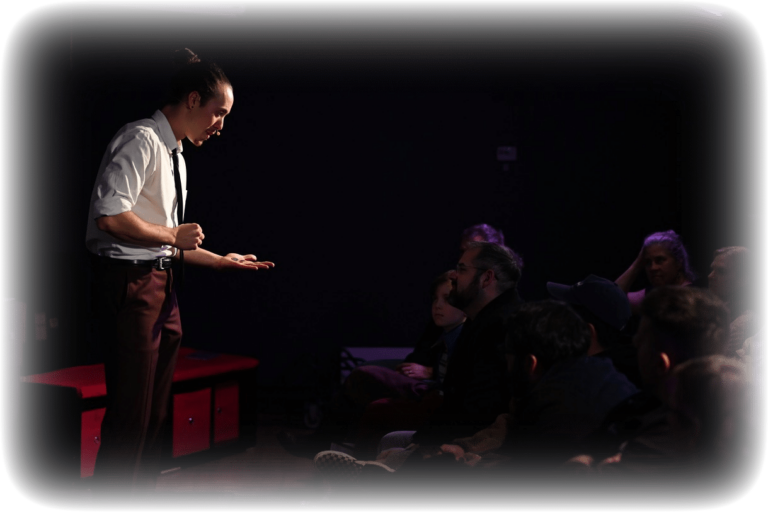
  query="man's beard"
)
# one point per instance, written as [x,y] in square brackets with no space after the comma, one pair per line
[460,300]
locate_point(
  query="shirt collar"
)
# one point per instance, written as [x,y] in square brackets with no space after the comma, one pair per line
[166,133]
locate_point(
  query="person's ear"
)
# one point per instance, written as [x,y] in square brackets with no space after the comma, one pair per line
[664,363]
[193,100]
[531,363]
[488,278]
[592,333]
[594,343]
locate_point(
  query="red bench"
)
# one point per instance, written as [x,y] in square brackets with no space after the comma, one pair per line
[206,403]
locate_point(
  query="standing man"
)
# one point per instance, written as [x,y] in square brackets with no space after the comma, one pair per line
[135,230]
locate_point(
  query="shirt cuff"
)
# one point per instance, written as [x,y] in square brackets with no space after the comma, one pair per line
[111,206]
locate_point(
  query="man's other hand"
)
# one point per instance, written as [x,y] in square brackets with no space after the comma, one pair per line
[236,261]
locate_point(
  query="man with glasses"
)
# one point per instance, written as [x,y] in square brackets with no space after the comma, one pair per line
[474,388]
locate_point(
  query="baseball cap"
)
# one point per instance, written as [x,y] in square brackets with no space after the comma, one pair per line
[601,296]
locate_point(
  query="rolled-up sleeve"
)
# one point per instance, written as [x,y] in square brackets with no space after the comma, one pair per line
[130,163]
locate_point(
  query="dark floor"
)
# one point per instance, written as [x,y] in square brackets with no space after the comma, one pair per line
[258,471]
[263,468]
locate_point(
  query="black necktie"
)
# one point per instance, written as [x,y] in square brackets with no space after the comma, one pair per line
[179,207]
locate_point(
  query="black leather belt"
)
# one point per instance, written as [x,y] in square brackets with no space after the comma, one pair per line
[157,263]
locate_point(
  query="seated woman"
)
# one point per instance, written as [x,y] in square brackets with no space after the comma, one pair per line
[375,396]
[732,279]
[665,261]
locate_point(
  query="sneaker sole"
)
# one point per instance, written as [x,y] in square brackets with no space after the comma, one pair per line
[344,470]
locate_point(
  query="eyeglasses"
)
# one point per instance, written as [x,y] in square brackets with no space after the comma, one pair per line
[461,268]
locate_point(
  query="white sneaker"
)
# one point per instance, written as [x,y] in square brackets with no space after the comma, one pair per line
[339,466]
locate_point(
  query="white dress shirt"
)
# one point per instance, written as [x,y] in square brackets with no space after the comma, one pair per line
[136,174]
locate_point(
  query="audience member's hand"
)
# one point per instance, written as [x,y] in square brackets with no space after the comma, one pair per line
[458,452]
[610,460]
[584,460]
[383,455]
[415,371]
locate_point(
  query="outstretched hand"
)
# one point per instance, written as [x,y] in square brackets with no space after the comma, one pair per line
[236,261]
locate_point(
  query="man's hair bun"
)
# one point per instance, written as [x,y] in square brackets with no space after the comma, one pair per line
[184,57]
[193,75]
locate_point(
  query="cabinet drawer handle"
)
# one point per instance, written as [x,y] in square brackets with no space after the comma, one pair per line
[96,439]
[218,410]
[191,421]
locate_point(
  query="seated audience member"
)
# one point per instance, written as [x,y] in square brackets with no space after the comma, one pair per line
[559,395]
[677,324]
[665,261]
[731,279]
[422,370]
[474,392]
[605,308]
[712,414]
[474,388]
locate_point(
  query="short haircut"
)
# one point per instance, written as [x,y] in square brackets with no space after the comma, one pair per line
[486,232]
[550,330]
[607,335]
[674,246]
[506,264]
[689,322]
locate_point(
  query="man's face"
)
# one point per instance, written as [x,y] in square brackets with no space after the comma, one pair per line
[465,280]
[207,119]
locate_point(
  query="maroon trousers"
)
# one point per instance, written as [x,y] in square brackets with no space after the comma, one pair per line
[140,334]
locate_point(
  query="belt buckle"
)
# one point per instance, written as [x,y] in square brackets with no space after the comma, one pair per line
[162,263]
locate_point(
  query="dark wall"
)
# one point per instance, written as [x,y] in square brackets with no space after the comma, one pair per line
[355,158]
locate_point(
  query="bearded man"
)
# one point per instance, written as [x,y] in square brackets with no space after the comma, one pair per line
[474,387]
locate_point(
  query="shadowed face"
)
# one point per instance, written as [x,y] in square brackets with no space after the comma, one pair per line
[465,280]
[443,314]
[661,268]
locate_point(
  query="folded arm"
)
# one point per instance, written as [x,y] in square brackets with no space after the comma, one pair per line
[129,227]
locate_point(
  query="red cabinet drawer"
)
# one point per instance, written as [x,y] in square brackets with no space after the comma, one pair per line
[226,412]
[191,422]
[90,440]
[200,419]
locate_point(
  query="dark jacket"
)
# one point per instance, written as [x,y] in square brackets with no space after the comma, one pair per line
[545,427]
[474,389]
[429,349]
[570,401]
